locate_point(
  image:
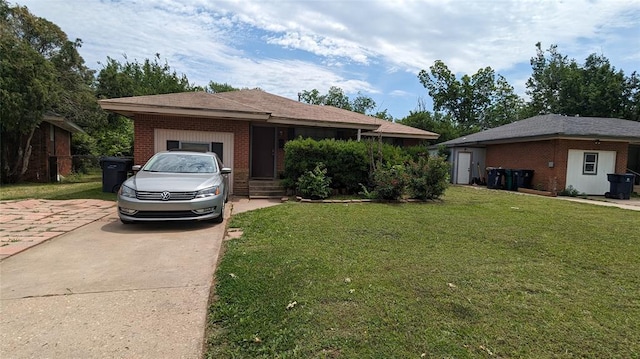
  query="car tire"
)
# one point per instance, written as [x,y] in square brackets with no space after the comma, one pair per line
[220,218]
[126,222]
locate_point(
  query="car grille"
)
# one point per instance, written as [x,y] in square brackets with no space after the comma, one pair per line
[157,196]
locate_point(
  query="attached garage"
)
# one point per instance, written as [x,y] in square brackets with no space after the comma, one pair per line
[218,142]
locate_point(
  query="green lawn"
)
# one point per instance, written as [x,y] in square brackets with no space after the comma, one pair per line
[88,186]
[479,274]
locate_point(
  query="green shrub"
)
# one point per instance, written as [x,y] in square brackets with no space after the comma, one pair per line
[315,184]
[346,162]
[350,164]
[571,192]
[389,181]
[427,178]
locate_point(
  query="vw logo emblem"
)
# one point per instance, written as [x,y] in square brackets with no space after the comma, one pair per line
[166,195]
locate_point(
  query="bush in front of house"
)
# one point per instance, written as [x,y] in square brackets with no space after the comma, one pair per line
[346,162]
[369,167]
[315,184]
[427,178]
[389,181]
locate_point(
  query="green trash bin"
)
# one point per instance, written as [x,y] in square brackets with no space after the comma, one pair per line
[510,180]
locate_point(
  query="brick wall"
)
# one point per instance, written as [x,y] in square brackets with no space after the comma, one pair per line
[144,126]
[537,155]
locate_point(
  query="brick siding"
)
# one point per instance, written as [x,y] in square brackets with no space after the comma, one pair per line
[537,155]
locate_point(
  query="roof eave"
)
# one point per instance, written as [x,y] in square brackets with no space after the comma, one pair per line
[401,135]
[317,123]
[63,123]
[485,143]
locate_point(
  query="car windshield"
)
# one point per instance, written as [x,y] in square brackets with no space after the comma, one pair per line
[181,163]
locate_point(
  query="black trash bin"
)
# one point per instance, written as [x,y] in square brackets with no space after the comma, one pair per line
[114,172]
[494,177]
[524,178]
[621,185]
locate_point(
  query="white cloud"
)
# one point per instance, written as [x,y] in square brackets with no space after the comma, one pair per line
[286,47]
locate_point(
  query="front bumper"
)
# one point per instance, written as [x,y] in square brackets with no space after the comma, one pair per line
[198,209]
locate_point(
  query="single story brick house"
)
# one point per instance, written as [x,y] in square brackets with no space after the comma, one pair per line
[561,150]
[247,128]
[51,150]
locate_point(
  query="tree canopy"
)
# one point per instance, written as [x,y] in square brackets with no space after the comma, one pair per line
[336,97]
[595,89]
[477,102]
[557,85]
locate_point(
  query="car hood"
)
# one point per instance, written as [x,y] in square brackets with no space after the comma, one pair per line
[174,182]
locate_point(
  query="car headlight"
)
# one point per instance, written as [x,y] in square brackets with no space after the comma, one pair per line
[127,192]
[208,192]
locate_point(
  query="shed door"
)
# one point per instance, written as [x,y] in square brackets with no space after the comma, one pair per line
[463,169]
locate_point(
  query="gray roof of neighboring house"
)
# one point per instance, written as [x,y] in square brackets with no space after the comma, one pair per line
[257,105]
[554,126]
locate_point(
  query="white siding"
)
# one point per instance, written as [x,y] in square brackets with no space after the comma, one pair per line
[588,183]
[226,138]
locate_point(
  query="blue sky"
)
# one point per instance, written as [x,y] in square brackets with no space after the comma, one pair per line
[376,48]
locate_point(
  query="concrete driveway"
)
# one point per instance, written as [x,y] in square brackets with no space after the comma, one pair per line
[111,290]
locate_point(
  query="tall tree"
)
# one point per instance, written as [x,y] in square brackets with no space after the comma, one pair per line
[473,101]
[133,78]
[40,71]
[561,85]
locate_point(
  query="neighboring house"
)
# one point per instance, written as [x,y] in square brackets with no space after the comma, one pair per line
[247,128]
[51,150]
[562,151]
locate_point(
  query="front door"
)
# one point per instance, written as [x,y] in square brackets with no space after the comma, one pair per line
[464,168]
[263,152]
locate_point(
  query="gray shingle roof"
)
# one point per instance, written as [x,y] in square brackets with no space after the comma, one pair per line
[553,126]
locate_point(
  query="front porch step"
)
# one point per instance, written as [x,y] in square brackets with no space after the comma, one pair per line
[266,189]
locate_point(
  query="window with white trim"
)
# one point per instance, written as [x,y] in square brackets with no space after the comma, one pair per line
[590,163]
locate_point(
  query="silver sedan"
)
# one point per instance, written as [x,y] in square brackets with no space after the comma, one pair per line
[176,186]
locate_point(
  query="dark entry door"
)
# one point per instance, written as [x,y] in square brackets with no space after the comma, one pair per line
[263,150]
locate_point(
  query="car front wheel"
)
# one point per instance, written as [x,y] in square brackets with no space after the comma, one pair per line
[220,218]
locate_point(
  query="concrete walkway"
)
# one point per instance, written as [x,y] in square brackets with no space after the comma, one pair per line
[79,284]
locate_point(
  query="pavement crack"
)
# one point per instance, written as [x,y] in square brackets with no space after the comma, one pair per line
[70,292]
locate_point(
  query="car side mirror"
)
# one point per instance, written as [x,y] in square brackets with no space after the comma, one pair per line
[225,170]
[136,168]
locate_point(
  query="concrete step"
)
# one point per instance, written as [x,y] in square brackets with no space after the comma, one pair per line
[266,189]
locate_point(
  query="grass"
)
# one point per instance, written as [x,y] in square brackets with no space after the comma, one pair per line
[480,274]
[88,186]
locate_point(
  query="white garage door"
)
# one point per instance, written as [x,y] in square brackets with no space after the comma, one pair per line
[213,141]
[587,170]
